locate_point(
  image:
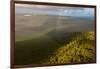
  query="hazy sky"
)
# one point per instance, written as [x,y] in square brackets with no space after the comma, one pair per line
[53,10]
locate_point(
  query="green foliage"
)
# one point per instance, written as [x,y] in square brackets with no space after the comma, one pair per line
[80,49]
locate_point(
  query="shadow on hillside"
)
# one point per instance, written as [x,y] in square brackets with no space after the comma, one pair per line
[35,50]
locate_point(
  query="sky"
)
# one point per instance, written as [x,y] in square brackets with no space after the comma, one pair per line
[53,10]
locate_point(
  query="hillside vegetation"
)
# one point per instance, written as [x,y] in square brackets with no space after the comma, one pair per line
[80,49]
[77,48]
